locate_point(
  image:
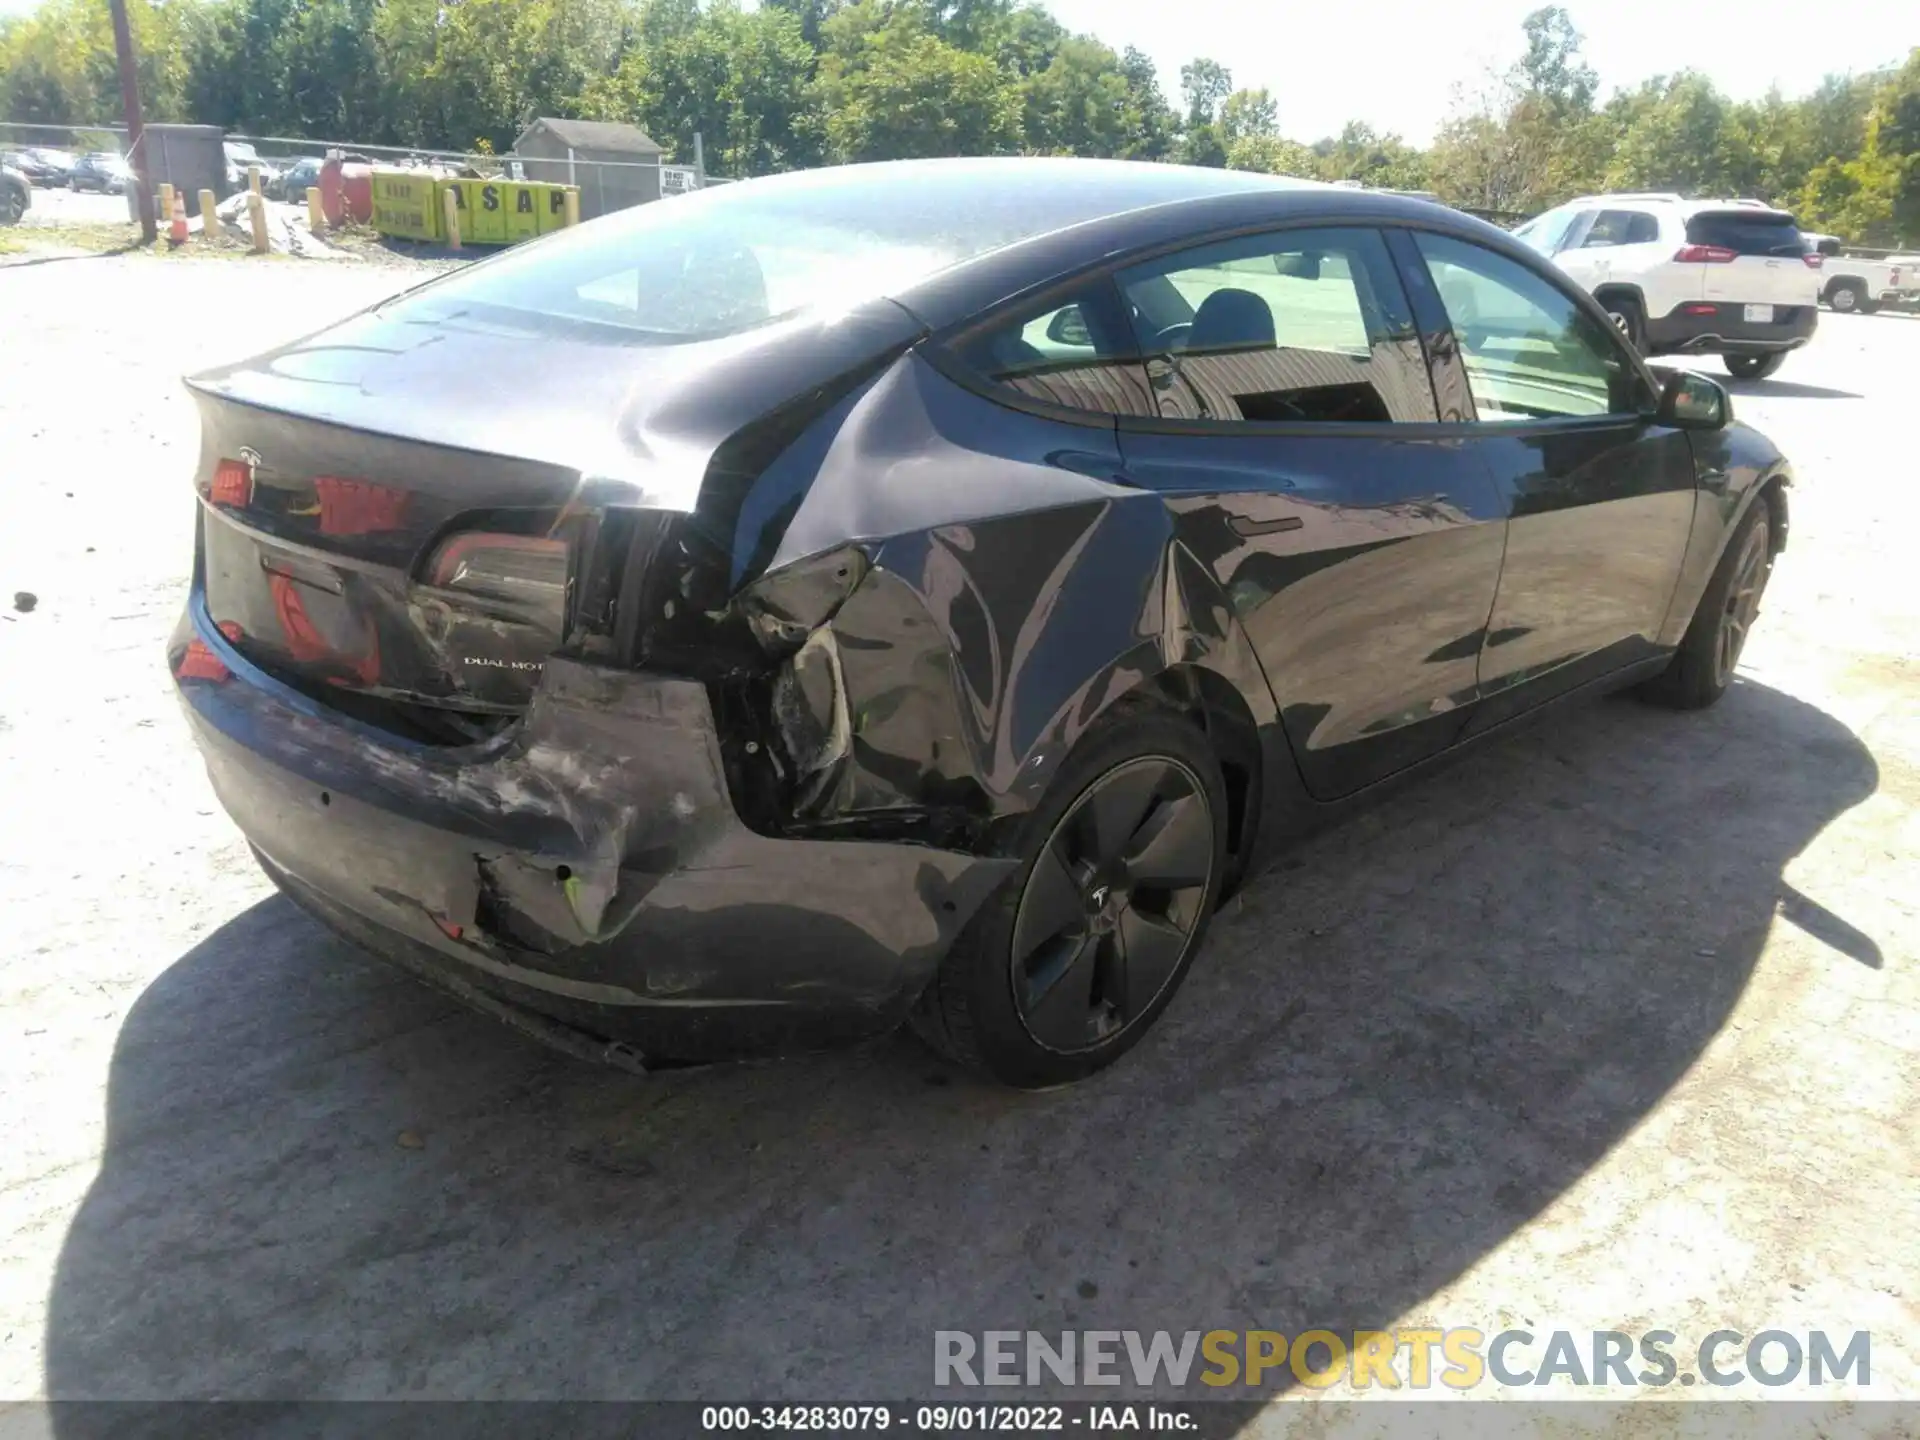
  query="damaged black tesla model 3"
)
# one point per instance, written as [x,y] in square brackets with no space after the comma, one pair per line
[919,591]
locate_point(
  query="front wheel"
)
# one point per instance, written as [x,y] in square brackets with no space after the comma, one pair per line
[1703,666]
[13,205]
[1078,953]
[1754,367]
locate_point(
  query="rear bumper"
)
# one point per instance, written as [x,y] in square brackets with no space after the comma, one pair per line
[1725,331]
[587,866]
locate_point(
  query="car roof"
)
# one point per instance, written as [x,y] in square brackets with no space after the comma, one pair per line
[1101,209]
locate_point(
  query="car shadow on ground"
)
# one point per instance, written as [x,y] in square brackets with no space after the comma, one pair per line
[321,1180]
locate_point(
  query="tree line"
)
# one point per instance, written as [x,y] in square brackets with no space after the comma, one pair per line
[805,82]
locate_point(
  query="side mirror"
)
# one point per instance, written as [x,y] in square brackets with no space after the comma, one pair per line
[1301,265]
[1693,402]
[1069,327]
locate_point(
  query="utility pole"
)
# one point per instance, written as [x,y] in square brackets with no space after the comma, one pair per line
[136,133]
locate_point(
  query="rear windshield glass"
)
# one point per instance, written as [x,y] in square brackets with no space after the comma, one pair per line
[1746,232]
[734,257]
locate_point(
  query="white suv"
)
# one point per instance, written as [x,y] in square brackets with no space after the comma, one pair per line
[1733,278]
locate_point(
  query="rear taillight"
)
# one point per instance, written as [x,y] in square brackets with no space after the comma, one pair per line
[527,574]
[232,484]
[1699,308]
[1705,255]
[1814,260]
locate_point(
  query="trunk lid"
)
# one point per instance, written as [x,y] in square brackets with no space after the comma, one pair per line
[403,517]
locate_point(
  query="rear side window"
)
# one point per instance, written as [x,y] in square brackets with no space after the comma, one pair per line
[1071,350]
[1746,232]
[1299,325]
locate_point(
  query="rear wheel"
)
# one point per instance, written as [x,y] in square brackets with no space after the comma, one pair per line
[1754,367]
[1845,296]
[1076,956]
[1703,666]
[12,206]
[1624,311]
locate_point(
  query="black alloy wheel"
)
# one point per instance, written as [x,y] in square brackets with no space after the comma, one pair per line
[1742,603]
[1111,906]
[1072,960]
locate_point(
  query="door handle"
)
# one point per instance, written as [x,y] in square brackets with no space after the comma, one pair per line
[1714,480]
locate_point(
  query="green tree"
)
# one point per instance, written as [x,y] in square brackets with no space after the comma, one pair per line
[888,88]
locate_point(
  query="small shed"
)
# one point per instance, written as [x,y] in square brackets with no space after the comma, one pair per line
[614,164]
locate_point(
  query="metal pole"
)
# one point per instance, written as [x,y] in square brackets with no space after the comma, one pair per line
[136,131]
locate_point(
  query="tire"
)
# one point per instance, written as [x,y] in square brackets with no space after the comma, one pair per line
[1846,296]
[1629,319]
[1868,306]
[1754,367]
[13,205]
[1038,989]
[1703,666]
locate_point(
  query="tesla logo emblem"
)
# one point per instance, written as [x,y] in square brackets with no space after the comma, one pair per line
[250,457]
[1099,897]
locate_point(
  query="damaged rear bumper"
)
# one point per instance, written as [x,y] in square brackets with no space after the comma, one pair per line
[587,866]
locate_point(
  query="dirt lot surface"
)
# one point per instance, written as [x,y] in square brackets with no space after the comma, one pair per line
[1616,1026]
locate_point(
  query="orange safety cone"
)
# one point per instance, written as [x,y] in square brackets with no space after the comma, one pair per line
[177,230]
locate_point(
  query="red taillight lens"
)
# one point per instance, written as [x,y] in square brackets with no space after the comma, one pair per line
[1814,259]
[1699,309]
[523,572]
[200,663]
[1705,255]
[232,484]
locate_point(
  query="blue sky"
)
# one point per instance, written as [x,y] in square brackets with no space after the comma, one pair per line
[1399,64]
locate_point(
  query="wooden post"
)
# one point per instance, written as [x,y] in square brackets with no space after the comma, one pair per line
[165,202]
[130,106]
[253,178]
[573,205]
[209,221]
[257,212]
[451,204]
[316,216]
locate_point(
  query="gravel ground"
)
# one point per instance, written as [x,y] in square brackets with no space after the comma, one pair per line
[1616,1026]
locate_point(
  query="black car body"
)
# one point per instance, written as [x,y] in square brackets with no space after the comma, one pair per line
[16,194]
[709,630]
[47,168]
[103,170]
[292,182]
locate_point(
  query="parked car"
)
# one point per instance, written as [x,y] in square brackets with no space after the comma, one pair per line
[48,169]
[1863,284]
[856,611]
[16,193]
[103,170]
[1722,277]
[291,183]
[242,157]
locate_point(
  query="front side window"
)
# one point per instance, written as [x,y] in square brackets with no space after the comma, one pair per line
[1531,353]
[1300,325]
[1071,350]
[1547,233]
